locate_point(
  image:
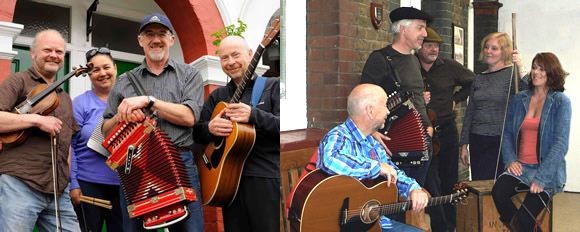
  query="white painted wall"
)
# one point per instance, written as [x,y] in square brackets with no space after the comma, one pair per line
[255,13]
[293,105]
[551,26]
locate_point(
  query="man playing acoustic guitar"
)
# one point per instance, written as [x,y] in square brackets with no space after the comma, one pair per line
[256,204]
[349,149]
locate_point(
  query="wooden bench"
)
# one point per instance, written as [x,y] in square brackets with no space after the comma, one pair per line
[296,149]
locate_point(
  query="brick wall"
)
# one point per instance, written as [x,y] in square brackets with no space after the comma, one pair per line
[485,22]
[340,36]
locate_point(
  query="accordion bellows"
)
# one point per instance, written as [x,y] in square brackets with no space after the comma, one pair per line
[407,133]
[153,175]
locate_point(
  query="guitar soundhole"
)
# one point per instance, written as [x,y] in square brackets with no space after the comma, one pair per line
[370,212]
[217,153]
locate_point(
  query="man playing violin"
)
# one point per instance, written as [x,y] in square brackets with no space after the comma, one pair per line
[26,180]
[444,76]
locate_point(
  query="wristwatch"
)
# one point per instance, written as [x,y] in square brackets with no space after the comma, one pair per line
[152,101]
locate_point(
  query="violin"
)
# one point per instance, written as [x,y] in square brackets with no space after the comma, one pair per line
[42,100]
[433,118]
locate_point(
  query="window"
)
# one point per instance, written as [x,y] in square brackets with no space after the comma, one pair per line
[38,16]
[116,34]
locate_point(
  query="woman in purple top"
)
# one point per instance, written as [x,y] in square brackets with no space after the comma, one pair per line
[90,175]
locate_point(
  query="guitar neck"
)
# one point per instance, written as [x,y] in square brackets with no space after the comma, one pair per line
[248,74]
[404,206]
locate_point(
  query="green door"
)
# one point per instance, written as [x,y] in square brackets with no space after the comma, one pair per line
[124,66]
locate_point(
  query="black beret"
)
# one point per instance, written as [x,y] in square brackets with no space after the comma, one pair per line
[408,13]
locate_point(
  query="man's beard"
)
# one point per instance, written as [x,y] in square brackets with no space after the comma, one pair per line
[380,126]
[156,56]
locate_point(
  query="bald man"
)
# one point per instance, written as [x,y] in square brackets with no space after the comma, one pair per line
[257,202]
[349,149]
[26,179]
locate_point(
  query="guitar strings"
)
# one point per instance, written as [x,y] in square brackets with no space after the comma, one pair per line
[396,207]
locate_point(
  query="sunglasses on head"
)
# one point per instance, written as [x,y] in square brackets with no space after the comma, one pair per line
[95,51]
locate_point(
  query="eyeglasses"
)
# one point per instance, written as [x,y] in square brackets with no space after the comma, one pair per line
[151,34]
[95,51]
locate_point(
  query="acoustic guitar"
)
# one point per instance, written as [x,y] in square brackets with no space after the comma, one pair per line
[221,164]
[42,99]
[325,202]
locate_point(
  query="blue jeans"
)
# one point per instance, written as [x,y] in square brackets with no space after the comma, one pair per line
[193,223]
[22,207]
[401,227]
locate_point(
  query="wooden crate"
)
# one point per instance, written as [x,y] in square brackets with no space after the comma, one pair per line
[478,212]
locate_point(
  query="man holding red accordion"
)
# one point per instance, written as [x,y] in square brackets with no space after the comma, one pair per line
[174,91]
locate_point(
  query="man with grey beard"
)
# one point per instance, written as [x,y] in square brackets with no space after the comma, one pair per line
[173,90]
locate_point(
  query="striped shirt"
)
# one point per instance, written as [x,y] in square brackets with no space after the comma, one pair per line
[346,151]
[178,83]
[488,102]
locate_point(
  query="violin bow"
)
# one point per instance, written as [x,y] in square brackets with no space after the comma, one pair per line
[515,80]
[54,150]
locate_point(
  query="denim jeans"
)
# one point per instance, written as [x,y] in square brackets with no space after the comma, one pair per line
[22,207]
[193,223]
[401,227]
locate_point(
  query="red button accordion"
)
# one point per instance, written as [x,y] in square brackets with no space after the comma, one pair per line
[409,142]
[152,173]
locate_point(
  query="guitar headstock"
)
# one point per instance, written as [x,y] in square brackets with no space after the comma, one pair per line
[83,69]
[272,32]
[460,193]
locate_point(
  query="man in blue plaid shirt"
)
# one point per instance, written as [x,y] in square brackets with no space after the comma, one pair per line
[349,149]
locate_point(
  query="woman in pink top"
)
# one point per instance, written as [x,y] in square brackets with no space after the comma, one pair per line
[535,141]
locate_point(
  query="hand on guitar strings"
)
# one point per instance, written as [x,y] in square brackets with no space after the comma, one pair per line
[238,112]
[220,126]
[388,172]
[419,199]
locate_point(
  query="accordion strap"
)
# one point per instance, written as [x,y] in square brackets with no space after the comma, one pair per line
[139,90]
[136,84]
[394,76]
